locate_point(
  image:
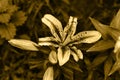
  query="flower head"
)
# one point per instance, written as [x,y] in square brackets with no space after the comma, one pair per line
[64,39]
[111,38]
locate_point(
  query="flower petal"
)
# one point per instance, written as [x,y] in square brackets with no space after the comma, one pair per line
[114,33]
[63,56]
[47,39]
[70,29]
[49,74]
[53,57]
[116,21]
[117,48]
[51,27]
[102,45]
[47,44]
[55,22]
[86,37]
[100,27]
[24,44]
[75,56]
[78,52]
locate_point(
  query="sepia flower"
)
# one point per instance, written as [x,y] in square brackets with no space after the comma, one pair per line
[64,40]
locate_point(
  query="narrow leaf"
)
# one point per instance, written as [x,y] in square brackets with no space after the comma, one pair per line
[102,45]
[24,44]
[100,27]
[99,59]
[107,67]
[68,73]
[115,67]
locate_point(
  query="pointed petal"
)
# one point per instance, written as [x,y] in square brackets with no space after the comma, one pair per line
[75,56]
[24,44]
[100,27]
[78,52]
[49,74]
[63,56]
[70,29]
[47,39]
[114,33]
[57,24]
[115,67]
[47,44]
[86,37]
[53,57]
[51,27]
[102,45]
[117,46]
[116,21]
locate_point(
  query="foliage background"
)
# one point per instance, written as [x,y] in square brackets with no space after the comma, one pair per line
[16,64]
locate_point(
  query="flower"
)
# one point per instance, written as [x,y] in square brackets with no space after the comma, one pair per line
[111,38]
[49,74]
[24,44]
[64,40]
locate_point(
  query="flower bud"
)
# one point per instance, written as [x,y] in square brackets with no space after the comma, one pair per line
[23,44]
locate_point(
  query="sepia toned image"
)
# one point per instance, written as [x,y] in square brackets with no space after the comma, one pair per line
[59,40]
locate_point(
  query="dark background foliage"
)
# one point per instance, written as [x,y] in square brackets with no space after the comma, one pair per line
[16,64]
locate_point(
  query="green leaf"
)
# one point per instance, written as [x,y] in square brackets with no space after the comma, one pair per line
[4,18]
[107,67]
[102,45]
[100,27]
[18,18]
[7,31]
[99,59]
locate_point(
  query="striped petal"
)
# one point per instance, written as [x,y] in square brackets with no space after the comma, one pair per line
[49,74]
[47,39]
[24,44]
[78,52]
[63,56]
[51,27]
[55,22]
[53,57]
[70,29]
[86,37]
